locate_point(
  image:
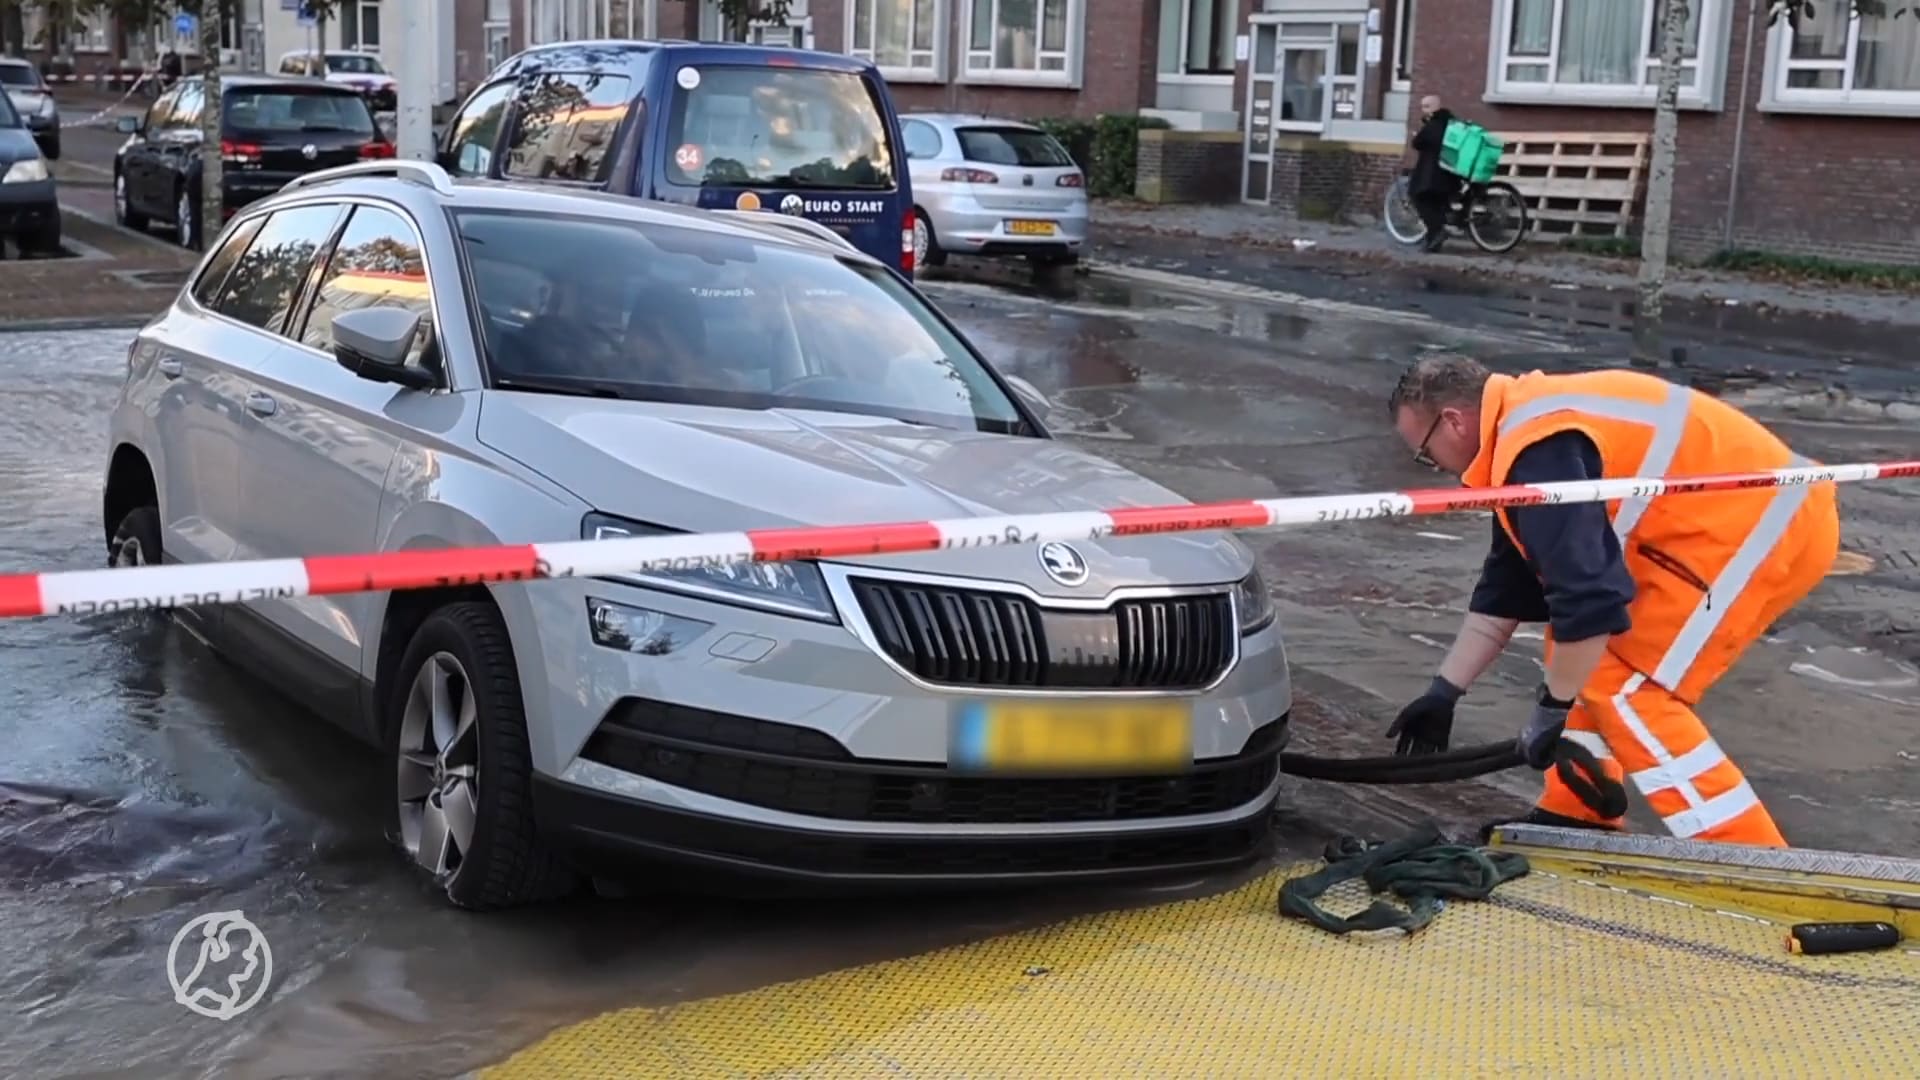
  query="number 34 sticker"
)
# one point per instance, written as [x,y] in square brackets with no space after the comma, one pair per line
[687,157]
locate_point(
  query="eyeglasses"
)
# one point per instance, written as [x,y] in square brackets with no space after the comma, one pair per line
[1421,456]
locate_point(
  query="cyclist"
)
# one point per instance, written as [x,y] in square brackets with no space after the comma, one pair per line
[1431,188]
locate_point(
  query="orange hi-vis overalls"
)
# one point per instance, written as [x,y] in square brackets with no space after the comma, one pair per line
[1712,571]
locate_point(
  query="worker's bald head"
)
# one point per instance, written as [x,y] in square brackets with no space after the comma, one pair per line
[1430,104]
[1436,409]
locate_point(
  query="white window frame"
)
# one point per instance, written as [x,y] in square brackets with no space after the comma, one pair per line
[977,68]
[1404,15]
[1709,63]
[360,8]
[935,68]
[1779,97]
[93,33]
[1180,75]
[572,20]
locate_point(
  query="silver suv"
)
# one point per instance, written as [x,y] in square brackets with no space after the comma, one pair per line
[379,359]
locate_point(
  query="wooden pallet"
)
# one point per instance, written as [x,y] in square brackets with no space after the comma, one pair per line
[1576,183]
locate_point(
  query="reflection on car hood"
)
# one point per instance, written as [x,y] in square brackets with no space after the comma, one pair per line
[711,470]
[16,144]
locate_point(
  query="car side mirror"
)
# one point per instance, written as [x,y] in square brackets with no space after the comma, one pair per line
[373,343]
[1030,394]
[129,125]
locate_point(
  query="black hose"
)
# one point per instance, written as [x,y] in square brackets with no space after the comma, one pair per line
[1575,764]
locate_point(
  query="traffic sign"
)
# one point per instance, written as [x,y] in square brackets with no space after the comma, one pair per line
[183,23]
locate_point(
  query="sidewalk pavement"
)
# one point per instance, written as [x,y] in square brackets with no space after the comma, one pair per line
[1122,230]
[112,277]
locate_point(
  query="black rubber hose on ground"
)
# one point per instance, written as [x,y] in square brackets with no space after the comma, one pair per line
[1575,764]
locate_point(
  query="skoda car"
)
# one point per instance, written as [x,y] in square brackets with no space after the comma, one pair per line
[379,358]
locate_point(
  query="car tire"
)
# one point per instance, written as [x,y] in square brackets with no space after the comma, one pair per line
[52,147]
[461,769]
[136,542]
[186,217]
[44,240]
[123,211]
[924,238]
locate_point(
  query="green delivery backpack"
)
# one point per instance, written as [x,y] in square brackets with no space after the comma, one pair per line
[1466,150]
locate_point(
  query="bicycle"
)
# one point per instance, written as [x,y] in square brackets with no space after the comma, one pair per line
[1475,214]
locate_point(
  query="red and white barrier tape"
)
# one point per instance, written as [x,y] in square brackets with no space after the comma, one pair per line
[85,591]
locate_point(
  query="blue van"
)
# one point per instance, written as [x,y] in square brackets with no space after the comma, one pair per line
[711,124]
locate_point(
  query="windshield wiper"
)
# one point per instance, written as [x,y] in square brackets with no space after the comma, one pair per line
[571,387]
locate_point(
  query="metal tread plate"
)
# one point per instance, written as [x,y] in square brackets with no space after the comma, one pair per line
[1552,976]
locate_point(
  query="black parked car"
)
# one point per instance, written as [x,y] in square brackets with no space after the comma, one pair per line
[272,129]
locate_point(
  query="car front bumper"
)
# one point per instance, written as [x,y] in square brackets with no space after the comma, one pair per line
[962,226]
[777,747]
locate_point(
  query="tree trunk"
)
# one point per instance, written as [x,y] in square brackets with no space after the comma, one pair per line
[1653,231]
[212,205]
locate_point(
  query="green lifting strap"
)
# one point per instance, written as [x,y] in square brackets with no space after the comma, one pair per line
[1420,868]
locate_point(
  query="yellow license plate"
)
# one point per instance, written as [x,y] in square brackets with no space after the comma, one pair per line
[1025,736]
[1030,228]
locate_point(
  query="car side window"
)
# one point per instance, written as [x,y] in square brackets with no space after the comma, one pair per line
[563,126]
[377,263]
[476,131]
[160,113]
[265,282]
[207,288]
[186,109]
[922,140]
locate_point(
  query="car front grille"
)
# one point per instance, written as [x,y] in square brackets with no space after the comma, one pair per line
[974,637]
[802,771]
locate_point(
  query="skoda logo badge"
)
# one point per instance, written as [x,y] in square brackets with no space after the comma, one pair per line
[1063,564]
[309,151]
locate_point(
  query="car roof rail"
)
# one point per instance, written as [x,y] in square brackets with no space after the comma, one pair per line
[424,173]
[799,224]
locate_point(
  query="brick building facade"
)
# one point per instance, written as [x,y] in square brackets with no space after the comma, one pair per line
[1806,144]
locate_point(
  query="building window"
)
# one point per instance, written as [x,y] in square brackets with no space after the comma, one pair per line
[1024,41]
[368,25]
[1836,57]
[1595,48]
[1196,37]
[901,37]
[1403,15]
[92,34]
[575,20]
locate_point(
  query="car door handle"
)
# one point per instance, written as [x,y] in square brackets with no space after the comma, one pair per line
[260,404]
[169,366]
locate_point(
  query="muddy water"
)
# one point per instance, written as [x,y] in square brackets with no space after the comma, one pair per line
[144,782]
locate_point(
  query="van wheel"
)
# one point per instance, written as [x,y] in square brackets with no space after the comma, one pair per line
[926,246]
[463,797]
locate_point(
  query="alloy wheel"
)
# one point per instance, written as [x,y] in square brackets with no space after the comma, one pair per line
[919,240]
[120,198]
[183,218]
[439,763]
[129,551]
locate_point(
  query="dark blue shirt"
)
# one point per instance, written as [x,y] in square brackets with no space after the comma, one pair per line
[1573,576]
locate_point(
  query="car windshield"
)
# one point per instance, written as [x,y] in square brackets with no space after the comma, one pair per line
[18,75]
[8,118]
[777,127]
[291,111]
[355,64]
[673,313]
[1012,146]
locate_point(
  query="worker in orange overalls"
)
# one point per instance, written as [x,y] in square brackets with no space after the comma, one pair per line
[1648,601]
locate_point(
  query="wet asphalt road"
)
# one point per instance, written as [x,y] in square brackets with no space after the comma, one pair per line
[147,782]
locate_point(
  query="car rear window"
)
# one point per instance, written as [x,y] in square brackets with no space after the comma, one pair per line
[659,312]
[1012,146]
[777,127]
[355,64]
[297,110]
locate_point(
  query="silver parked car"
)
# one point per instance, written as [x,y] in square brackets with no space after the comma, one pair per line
[33,99]
[378,358]
[992,187]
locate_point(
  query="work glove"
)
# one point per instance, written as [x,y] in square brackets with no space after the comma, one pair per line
[1425,724]
[1543,730]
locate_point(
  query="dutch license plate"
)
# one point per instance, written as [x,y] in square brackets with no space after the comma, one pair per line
[1025,736]
[1030,228]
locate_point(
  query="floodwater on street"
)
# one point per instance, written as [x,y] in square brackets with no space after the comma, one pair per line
[144,781]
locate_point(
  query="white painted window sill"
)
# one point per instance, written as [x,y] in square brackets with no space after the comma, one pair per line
[1587,99]
[912,75]
[1895,110]
[1050,80]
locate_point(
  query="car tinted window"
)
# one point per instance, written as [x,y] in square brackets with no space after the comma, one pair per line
[563,125]
[289,111]
[266,280]
[376,263]
[1012,146]
[18,75]
[921,138]
[476,132]
[672,313]
[207,288]
[777,127]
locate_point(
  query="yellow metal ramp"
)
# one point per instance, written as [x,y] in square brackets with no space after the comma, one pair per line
[1588,966]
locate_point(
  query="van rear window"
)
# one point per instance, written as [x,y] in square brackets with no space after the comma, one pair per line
[776,127]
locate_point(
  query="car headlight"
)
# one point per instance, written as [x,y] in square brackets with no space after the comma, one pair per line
[789,588]
[26,172]
[1252,601]
[640,630]
[47,107]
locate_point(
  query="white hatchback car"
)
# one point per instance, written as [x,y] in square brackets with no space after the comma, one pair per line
[984,186]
